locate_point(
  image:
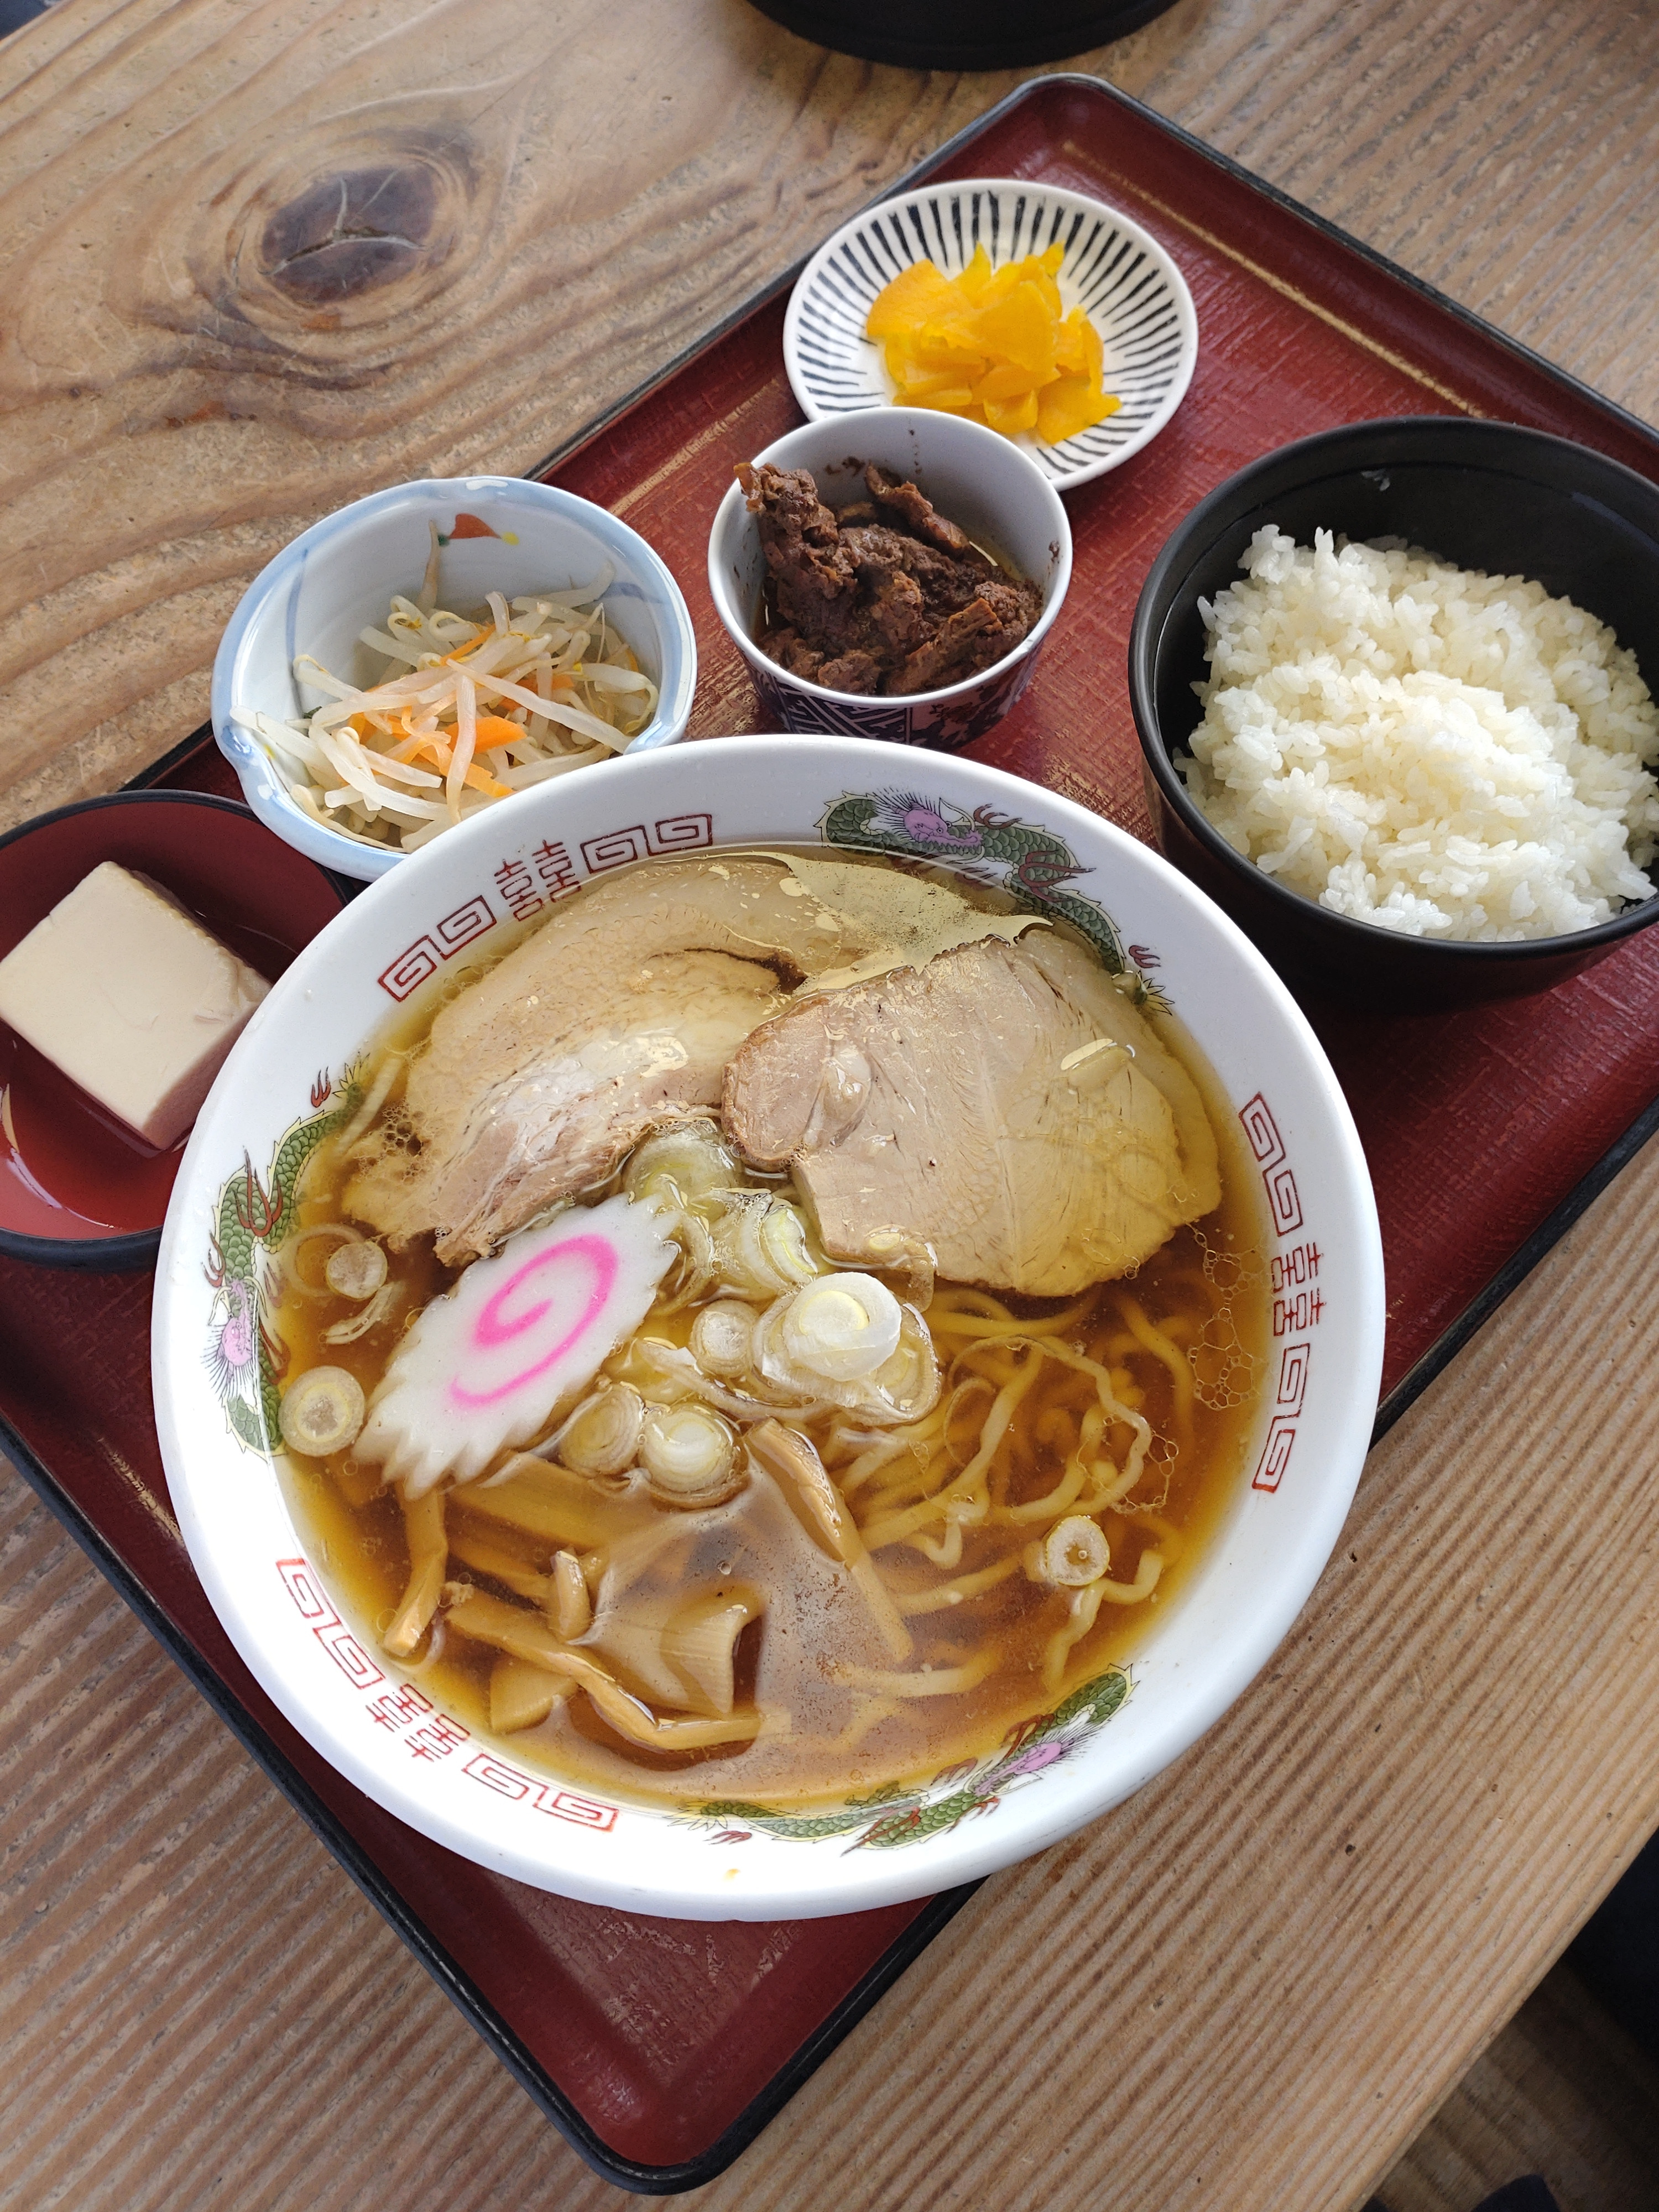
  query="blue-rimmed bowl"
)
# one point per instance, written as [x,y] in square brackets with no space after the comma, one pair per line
[495,533]
[973,477]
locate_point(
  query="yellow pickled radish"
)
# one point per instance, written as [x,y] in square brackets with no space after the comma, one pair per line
[916,295]
[1070,344]
[1011,417]
[1021,328]
[994,346]
[949,399]
[1071,404]
[1004,384]
[975,276]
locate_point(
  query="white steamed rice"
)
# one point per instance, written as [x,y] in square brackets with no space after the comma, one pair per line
[1440,753]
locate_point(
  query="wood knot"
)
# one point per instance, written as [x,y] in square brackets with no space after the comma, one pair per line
[354,233]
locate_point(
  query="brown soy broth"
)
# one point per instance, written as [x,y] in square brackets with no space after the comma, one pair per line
[1205,1287]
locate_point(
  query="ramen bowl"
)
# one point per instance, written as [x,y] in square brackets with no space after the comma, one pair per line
[973,477]
[1485,496]
[396,951]
[501,534]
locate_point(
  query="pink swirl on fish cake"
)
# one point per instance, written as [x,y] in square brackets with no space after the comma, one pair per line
[495,1327]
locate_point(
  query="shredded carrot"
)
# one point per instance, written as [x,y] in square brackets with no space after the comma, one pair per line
[442,757]
[496,731]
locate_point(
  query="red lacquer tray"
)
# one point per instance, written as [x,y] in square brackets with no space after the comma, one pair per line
[657,2047]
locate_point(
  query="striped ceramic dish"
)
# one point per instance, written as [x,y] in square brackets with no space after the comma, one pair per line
[1131,291]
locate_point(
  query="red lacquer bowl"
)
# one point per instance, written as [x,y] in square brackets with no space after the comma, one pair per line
[76,1189]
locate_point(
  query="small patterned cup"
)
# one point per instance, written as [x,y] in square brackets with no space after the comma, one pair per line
[980,480]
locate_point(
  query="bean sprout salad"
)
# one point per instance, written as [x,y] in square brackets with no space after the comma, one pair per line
[468,711]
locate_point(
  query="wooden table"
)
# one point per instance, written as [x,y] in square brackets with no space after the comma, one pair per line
[262,255]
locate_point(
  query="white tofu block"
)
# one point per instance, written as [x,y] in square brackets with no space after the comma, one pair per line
[132,998]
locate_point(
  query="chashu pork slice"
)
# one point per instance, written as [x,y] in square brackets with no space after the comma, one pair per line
[1003,1103]
[620,1011]
[647,1045]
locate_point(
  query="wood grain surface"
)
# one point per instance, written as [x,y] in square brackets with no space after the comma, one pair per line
[260,257]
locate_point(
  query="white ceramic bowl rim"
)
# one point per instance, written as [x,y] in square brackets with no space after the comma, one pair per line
[363,1714]
[1064,472]
[1059,522]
